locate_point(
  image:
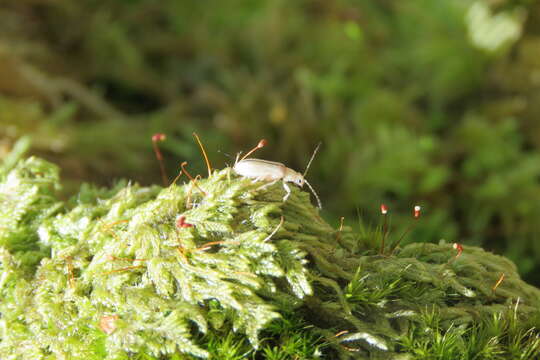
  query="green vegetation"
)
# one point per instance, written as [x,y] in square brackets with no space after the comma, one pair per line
[225,269]
[415,101]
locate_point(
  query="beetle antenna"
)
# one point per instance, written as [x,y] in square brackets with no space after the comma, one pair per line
[312,157]
[314,193]
[224,153]
[228,156]
[262,143]
[208,166]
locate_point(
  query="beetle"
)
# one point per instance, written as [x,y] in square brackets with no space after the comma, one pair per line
[264,170]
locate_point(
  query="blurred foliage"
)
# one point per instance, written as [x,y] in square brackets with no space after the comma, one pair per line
[418,101]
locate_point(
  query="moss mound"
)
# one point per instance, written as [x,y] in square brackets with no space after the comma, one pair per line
[227,270]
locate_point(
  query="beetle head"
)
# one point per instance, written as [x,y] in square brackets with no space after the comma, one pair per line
[294,177]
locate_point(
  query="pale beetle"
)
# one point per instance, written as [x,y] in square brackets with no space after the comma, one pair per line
[264,170]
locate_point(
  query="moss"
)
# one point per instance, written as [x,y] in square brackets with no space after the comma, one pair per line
[246,275]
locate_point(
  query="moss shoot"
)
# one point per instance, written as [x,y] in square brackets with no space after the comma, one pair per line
[227,270]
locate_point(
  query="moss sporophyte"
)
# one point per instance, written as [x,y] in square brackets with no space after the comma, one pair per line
[136,272]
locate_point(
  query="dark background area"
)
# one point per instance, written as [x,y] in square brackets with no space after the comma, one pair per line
[424,102]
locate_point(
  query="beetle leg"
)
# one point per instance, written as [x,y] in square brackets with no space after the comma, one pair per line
[288,190]
[267,185]
[257,179]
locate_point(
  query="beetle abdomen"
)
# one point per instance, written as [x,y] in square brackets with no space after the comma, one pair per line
[260,169]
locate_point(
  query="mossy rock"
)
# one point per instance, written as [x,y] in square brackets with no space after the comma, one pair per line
[228,270]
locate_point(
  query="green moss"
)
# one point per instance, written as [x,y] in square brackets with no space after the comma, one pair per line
[461,107]
[227,286]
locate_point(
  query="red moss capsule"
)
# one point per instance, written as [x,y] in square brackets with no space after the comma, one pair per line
[459,249]
[158,137]
[181,222]
[417,209]
[108,324]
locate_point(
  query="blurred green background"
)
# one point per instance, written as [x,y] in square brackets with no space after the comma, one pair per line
[424,102]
